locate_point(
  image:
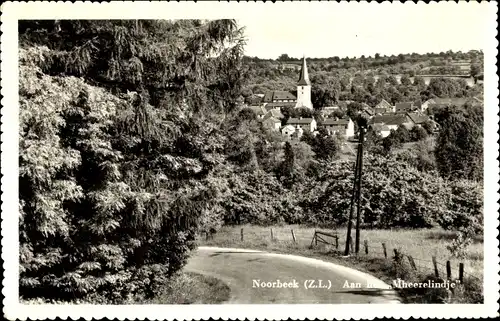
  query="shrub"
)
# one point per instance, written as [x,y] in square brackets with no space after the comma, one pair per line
[464,207]
[418,133]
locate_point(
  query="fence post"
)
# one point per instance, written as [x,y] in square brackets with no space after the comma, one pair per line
[293,237]
[366,246]
[241,234]
[412,262]
[396,255]
[272,236]
[206,235]
[315,238]
[385,250]
[336,242]
[312,241]
[434,262]
[448,269]
[461,272]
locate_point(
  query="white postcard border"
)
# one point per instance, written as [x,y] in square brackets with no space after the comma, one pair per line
[11,12]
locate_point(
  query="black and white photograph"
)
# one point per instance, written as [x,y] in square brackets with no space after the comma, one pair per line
[249,160]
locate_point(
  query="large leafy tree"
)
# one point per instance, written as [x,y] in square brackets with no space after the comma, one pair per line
[116,132]
[394,194]
[459,149]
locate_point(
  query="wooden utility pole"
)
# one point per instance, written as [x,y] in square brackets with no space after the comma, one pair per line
[351,212]
[356,189]
[358,194]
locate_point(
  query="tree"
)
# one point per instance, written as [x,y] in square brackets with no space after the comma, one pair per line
[391,141]
[284,57]
[288,164]
[475,70]
[392,80]
[325,91]
[459,149]
[429,126]
[246,92]
[419,82]
[402,134]
[390,198]
[418,133]
[114,208]
[354,109]
[405,80]
[325,146]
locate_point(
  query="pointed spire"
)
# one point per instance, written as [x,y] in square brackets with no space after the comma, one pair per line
[304,75]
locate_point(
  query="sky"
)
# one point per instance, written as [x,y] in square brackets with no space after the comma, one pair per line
[353,29]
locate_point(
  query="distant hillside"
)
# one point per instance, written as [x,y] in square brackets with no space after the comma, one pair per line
[359,77]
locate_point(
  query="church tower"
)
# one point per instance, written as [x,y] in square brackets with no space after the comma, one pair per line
[304,88]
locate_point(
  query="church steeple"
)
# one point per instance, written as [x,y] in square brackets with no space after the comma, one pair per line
[304,88]
[304,75]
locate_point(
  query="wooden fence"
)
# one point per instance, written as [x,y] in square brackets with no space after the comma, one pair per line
[399,256]
[333,239]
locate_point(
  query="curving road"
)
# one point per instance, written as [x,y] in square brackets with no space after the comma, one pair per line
[253,278]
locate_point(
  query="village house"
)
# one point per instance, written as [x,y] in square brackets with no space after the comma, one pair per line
[417,105]
[343,126]
[327,111]
[306,124]
[404,107]
[291,131]
[383,107]
[279,96]
[384,130]
[289,66]
[276,113]
[367,111]
[279,105]
[418,119]
[272,123]
[392,121]
[259,111]
[253,100]
[442,102]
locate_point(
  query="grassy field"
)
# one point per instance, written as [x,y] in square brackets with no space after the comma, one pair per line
[420,244]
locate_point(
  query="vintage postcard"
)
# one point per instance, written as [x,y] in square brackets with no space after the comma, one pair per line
[187,161]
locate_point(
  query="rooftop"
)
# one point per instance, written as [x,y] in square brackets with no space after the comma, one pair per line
[390,119]
[300,120]
[259,110]
[304,75]
[451,101]
[274,113]
[335,122]
[418,118]
[270,106]
[384,104]
[271,96]
[405,105]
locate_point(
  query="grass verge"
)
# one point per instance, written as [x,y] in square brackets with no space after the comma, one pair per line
[193,288]
[182,288]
